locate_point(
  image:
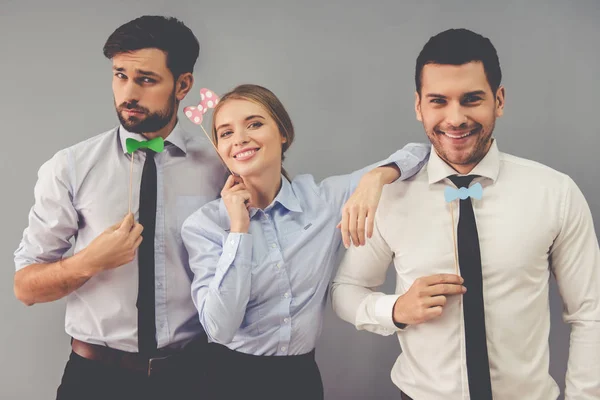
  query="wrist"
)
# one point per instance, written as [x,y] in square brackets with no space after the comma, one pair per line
[88,265]
[397,316]
[385,174]
[239,228]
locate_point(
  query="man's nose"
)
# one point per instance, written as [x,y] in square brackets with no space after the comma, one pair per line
[456,116]
[131,92]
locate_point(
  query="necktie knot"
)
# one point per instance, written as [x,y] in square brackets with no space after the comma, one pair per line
[462,181]
[149,153]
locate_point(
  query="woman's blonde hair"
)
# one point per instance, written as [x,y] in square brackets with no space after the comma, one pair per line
[266,99]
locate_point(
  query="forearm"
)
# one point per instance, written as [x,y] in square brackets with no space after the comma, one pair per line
[222,306]
[583,372]
[41,283]
[364,308]
[575,262]
[222,301]
[383,175]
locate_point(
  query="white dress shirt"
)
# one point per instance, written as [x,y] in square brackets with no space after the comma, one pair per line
[82,191]
[532,221]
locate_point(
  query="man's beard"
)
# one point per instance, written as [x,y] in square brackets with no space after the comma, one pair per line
[152,122]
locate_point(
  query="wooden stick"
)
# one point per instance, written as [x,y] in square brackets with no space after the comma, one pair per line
[131,181]
[215,147]
[454,239]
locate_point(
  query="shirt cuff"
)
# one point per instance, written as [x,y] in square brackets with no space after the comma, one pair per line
[238,248]
[384,309]
[416,155]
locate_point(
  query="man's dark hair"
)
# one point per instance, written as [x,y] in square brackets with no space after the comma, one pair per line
[164,33]
[458,47]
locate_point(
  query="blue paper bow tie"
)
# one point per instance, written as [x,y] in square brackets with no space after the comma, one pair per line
[475,192]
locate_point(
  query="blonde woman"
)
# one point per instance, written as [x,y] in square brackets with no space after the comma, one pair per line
[263,254]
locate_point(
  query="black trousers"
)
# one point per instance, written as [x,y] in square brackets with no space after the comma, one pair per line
[235,375]
[85,379]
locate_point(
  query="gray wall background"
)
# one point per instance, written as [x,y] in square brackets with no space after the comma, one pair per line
[344,70]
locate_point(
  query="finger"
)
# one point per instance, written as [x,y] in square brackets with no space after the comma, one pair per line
[352,225]
[136,231]
[443,278]
[448,289]
[432,312]
[238,180]
[127,223]
[360,225]
[138,242]
[237,187]
[339,225]
[344,228]
[370,222]
[229,183]
[114,227]
[241,197]
[435,301]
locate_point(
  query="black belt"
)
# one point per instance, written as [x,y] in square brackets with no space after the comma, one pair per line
[162,361]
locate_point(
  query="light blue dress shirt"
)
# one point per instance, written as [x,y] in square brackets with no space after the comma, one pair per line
[264,292]
[82,191]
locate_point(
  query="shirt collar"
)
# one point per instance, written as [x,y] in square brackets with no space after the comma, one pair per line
[286,197]
[488,167]
[176,137]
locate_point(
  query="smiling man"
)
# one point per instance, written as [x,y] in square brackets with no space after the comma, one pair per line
[135,331]
[503,223]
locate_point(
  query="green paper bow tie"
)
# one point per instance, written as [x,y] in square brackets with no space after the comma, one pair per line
[157,145]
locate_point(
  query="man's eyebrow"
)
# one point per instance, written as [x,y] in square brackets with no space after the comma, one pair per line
[475,93]
[437,96]
[147,73]
[139,71]
[441,96]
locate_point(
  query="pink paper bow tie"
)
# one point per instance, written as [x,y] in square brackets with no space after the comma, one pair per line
[208,99]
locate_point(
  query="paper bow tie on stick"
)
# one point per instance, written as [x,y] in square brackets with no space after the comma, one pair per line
[157,145]
[208,99]
[463,193]
[475,192]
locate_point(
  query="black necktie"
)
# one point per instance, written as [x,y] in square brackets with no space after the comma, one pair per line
[469,258]
[147,218]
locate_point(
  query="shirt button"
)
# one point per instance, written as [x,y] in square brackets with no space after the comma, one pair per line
[273,245]
[278,265]
[286,320]
[286,295]
[231,241]
[283,348]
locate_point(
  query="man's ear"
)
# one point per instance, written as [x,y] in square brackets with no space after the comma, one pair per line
[500,93]
[184,85]
[418,107]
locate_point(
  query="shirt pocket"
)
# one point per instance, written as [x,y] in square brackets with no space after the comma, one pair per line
[294,234]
